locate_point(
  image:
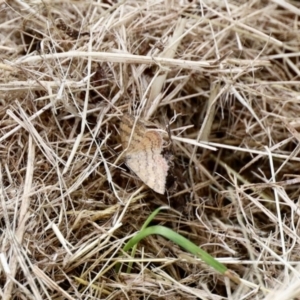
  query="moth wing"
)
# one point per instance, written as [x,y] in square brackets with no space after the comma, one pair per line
[131,132]
[151,167]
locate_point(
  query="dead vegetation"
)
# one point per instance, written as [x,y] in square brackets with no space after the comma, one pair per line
[224,77]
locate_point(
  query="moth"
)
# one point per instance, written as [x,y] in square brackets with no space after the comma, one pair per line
[143,156]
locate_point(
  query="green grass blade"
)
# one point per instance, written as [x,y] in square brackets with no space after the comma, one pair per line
[179,240]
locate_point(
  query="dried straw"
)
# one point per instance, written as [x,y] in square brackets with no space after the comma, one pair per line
[224,77]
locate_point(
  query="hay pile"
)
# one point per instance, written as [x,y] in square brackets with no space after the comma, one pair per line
[218,74]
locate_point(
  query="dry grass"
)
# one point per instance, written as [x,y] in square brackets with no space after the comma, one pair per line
[219,72]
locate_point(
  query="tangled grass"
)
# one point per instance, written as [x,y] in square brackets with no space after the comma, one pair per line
[221,78]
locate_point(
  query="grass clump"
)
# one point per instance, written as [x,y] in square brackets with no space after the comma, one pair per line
[219,79]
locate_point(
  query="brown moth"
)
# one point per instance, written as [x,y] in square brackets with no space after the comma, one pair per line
[143,153]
